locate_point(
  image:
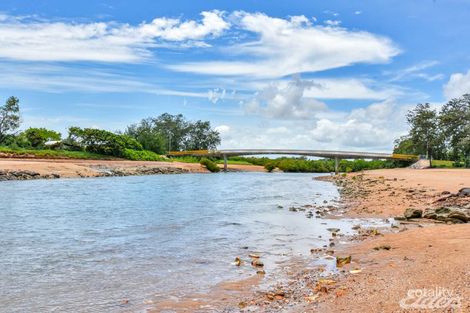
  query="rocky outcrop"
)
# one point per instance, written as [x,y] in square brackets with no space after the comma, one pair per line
[464,192]
[144,170]
[452,208]
[24,175]
[97,172]
[449,214]
[413,213]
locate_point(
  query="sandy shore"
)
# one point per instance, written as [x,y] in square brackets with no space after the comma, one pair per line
[421,256]
[387,193]
[69,168]
[387,265]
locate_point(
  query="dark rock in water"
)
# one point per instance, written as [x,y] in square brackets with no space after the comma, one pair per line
[413,213]
[464,192]
[333,230]
[400,218]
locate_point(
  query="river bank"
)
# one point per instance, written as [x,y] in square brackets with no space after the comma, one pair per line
[405,265]
[25,169]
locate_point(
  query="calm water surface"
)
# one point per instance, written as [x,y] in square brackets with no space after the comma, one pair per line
[84,245]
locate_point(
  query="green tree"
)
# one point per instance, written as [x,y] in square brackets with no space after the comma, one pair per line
[174,128]
[39,136]
[424,133]
[201,136]
[101,141]
[405,145]
[150,137]
[175,133]
[454,120]
[9,118]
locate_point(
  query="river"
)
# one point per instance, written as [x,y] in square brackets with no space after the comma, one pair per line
[85,245]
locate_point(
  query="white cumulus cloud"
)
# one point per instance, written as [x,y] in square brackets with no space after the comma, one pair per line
[458,85]
[284,102]
[38,40]
[293,45]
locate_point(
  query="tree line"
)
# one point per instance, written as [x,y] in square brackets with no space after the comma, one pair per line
[143,140]
[439,134]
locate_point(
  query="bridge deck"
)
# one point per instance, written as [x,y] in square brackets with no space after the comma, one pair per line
[316,153]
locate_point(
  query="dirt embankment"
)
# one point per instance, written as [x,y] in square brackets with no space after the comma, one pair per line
[20,169]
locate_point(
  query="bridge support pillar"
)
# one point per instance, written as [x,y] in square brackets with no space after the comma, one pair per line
[225,163]
[336,165]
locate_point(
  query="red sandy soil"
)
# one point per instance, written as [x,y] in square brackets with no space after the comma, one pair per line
[88,168]
[387,193]
[430,257]
[422,257]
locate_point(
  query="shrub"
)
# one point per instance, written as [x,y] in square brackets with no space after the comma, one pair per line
[210,165]
[102,141]
[270,166]
[39,136]
[141,155]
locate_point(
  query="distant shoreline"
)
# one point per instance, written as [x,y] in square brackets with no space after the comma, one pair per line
[26,169]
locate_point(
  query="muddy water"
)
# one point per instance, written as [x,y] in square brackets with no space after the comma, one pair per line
[114,244]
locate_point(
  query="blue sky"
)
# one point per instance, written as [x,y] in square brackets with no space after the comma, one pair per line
[267,74]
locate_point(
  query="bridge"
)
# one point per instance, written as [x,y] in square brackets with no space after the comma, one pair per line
[336,155]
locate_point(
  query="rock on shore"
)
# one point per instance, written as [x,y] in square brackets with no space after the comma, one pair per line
[24,175]
[97,172]
[451,208]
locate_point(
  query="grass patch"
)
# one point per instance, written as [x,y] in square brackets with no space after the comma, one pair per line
[55,154]
[447,164]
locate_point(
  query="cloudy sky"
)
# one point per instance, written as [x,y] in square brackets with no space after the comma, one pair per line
[268,74]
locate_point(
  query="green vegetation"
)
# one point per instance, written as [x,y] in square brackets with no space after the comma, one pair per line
[300,165]
[195,159]
[210,165]
[39,136]
[142,155]
[443,134]
[9,118]
[321,166]
[101,141]
[145,141]
[173,132]
[54,154]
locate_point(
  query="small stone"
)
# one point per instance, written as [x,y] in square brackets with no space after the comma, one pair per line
[257,263]
[464,192]
[340,261]
[383,247]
